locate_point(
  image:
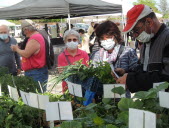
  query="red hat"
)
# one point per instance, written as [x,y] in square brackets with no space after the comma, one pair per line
[135,14]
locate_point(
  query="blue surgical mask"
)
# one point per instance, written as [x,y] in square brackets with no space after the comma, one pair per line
[3,36]
[72,45]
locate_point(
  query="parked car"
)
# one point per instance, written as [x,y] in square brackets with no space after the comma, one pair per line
[83,26]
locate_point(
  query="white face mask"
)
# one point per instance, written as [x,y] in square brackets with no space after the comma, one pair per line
[108,44]
[145,37]
[4,36]
[72,45]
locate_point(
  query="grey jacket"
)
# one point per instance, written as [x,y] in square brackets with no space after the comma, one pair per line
[8,58]
[158,63]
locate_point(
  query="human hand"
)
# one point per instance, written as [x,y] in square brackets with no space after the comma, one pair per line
[18,71]
[122,80]
[14,47]
[120,71]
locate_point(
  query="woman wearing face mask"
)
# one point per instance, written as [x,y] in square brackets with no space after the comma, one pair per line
[123,58]
[112,49]
[71,53]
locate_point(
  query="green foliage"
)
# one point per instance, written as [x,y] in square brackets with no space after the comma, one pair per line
[119,90]
[18,115]
[150,3]
[39,21]
[102,72]
[107,114]
[125,103]
[48,20]
[23,83]
[71,124]
[163,4]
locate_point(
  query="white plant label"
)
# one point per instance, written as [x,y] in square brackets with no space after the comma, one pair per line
[164,99]
[150,119]
[38,101]
[59,111]
[75,89]
[25,97]
[13,93]
[135,118]
[43,100]
[109,94]
[141,119]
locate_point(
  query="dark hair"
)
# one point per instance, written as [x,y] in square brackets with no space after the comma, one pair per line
[81,31]
[151,15]
[95,25]
[108,28]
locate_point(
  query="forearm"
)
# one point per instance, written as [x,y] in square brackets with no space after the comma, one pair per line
[23,53]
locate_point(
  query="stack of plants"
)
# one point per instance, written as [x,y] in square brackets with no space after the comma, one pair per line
[107,114]
[110,114]
[23,83]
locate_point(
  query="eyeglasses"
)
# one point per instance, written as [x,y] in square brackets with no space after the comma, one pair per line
[74,40]
[136,30]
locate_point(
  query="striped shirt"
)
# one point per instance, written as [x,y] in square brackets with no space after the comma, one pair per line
[127,60]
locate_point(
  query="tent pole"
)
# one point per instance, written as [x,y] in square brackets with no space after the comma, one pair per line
[123,24]
[69,20]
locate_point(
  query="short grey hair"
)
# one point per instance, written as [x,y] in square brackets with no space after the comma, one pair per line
[30,28]
[71,32]
[7,27]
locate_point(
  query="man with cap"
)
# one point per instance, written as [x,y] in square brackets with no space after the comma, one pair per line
[8,58]
[34,54]
[145,27]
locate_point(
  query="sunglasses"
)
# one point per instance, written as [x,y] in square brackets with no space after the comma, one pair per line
[74,40]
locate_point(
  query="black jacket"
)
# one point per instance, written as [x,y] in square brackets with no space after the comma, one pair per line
[158,64]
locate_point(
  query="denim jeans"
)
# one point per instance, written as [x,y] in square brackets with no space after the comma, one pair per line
[40,75]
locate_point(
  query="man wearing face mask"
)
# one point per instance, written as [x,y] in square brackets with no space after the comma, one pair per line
[145,27]
[8,58]
[71,53]
[34,53]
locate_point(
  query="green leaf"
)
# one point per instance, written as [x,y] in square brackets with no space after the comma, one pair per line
[111,126]
[108,106]
[124,117]
[138,104]
[98,121]
[162,86]
[90,106]
[71,124]
[125,103]
[145,95]
[118,90]
[106,100]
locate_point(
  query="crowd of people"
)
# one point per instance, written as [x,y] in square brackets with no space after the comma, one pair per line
[103,42]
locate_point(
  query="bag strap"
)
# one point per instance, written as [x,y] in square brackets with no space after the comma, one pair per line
[119,53]
[67,58]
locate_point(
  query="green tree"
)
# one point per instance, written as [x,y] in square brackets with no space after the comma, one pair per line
[39,20]
[150,3]
[164,8]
